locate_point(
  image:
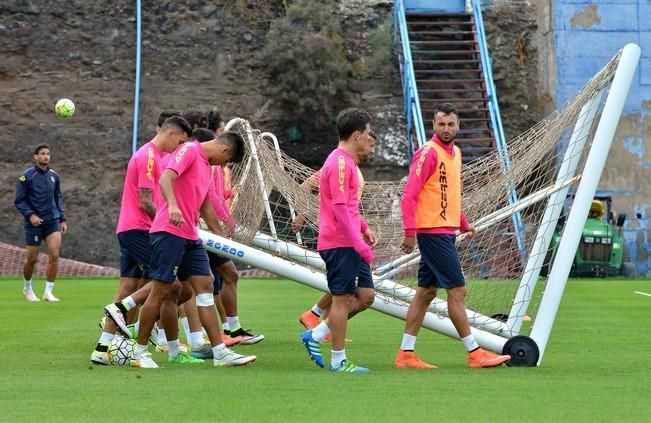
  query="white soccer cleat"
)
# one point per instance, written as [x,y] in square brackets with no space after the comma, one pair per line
[143,362]
[230,358]
[114,313]
[48,296]
[101,358]
[30,296]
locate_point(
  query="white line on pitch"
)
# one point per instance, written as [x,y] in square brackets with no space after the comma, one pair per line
[642,293]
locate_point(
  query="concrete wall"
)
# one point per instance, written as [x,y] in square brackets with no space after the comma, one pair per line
[586,35]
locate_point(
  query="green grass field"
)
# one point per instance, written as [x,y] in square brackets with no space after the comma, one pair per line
[596,368]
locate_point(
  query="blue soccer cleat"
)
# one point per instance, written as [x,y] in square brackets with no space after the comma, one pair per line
[313,348]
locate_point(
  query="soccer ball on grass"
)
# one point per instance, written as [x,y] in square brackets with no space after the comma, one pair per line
[121,350]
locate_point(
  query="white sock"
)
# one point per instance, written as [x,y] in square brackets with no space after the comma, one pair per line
[136,326]
[317,310]
[140,350]
[408,342]
[337,358]
[128,303]
[224,327]
[186,329]
[106,338]
[27,285]
[470,343]
[219,350]
[162,339]
[320,332]
[173,348]
[48,287]
[196,339]
[233,322]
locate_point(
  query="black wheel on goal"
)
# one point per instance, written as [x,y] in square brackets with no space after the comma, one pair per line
[523,351]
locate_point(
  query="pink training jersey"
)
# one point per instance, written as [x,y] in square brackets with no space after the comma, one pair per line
[143,172]
[217,196]
[419,173]
[338,184]
[190,188]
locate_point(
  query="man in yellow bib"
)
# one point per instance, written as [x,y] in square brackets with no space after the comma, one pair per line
[431,216]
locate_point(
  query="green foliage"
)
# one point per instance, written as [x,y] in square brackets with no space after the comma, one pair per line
[306,58]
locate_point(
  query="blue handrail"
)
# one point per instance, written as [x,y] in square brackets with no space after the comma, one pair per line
[136,97]
[415,124]
[496,120]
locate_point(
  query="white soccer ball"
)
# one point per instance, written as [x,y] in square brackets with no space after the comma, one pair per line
[122,350]
[64,108]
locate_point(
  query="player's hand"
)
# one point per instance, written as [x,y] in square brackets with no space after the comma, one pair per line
[367,255]
[369,237]
[35,220]
[64,227]
[176,217]
[470,232]
[298,223]
[408,244]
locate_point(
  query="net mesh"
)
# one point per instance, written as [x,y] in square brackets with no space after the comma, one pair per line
[493,262]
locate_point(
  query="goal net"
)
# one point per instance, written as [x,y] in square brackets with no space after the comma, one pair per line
[515,199]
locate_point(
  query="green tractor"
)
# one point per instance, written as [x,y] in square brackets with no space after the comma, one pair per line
[601,249]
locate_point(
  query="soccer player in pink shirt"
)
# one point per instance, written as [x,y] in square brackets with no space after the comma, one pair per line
[341,229]
[177,251]
[431,216]
[136,213]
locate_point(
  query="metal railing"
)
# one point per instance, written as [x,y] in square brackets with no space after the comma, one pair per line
[415,126]
[496,119]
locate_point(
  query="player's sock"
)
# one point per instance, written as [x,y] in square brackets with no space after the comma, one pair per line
[162,339]
[173,348]
[128,303]
[196,340]
[140,350]
[219,350]
[106,338]
[27,285]
[318,311]
[48,287]
[320,332]
[224,327]
[470,343]
[233,322]
[408,342]
[186,329]
[136,326]
[337,358]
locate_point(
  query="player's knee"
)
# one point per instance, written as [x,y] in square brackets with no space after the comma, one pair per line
[53,256]
[366,299]
[31,260]
[429,294]
[457,295]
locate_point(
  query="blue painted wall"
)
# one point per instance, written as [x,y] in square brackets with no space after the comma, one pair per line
[587,34]
[435,5]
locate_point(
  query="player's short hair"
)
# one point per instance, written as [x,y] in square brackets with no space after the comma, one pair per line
[446,109]
[203,135]
[178,123]
[351,120]
[235,141]
[372,134]
[164,115]
[40,147]
[196,119]
[214,120]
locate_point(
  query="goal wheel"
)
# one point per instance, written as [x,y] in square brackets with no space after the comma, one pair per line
[523,351]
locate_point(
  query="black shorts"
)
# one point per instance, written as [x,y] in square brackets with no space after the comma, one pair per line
[346,271]
[34,235]
[439,262]
[135,253]
[173,256]
[216,261]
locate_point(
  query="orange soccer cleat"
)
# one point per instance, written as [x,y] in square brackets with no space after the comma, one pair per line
[309,320]
[410,360]
[480,358]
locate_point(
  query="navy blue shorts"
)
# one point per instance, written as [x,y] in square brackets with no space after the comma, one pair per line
[439,262]
[34,235]
[135,253]
[175,257]
[346,271]
[216,261]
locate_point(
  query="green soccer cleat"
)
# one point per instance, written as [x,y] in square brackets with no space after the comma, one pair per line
[184,358]
[349,367]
